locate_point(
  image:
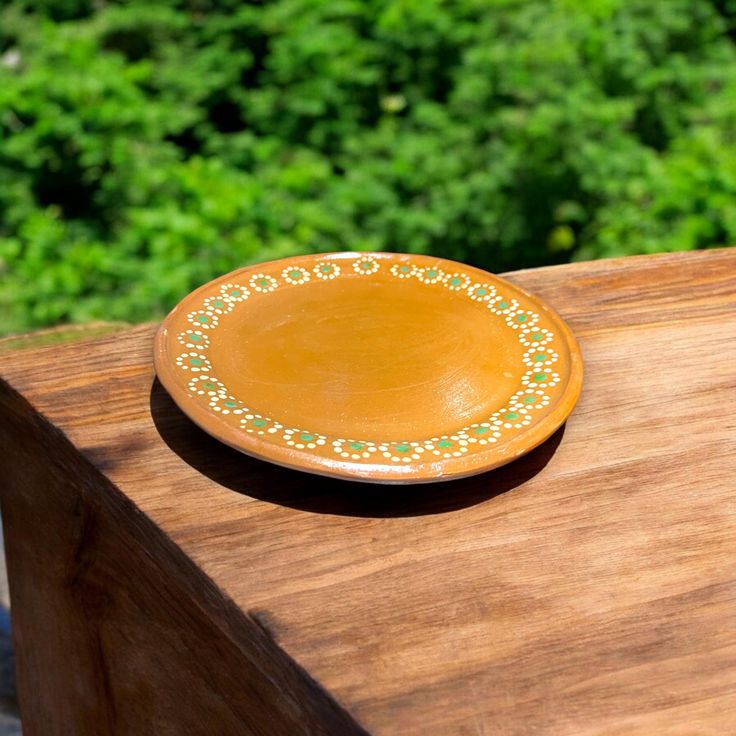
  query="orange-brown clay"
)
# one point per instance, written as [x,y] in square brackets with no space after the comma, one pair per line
[379,367]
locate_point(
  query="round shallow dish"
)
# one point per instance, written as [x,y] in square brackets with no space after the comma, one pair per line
[378,367]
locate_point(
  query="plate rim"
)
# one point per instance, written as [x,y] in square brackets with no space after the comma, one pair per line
[433,471]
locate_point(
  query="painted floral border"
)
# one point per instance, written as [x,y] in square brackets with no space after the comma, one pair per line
[532,395]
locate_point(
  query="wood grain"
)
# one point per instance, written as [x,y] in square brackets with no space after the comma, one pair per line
[585,589]
[116,631]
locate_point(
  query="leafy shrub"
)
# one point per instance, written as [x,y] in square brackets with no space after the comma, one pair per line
[147,146]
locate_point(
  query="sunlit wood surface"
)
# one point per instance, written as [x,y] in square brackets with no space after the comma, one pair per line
[163,583]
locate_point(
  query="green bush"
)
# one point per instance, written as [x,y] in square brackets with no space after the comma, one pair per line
[147,146]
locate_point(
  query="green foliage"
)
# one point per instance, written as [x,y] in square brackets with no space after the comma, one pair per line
[147,146]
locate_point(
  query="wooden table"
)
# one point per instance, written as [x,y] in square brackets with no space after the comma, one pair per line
[164,584]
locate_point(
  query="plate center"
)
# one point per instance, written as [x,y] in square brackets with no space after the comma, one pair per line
[362,358]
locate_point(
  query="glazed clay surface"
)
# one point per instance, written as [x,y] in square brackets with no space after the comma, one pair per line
[383,367]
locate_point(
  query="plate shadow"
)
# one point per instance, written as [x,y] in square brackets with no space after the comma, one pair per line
[318,494]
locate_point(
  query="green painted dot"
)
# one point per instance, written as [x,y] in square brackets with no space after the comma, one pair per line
[529,399]
[481,292]
[537,336]
[203,318]
[539,357]
[432,274]
[263,282]
[503,305]
[356,445]
[444,444]
[235,292]
[539,377]
[218,303]
[295,274]
[194,338]
[404,269]
[521,318]
[455,281]
[209,384]
[230,404]
[365,265]
[195,361]
[306,436]
[511,415]
[482,430]
[259,422]
[402,448]
[325,269]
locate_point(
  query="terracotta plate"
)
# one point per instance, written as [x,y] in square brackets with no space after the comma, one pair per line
[377,367]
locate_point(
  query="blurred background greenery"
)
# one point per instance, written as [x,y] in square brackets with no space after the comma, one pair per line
[148,146]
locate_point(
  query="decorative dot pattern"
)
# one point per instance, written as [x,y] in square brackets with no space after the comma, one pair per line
[194,339]
[234,293]
[457,282]
[295,275]
[365,266]
[204,319]
[519,411]
[403,270]
[327,271]
[430,275]
[262,283]
[194,362]
[217,305]
[482,292]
